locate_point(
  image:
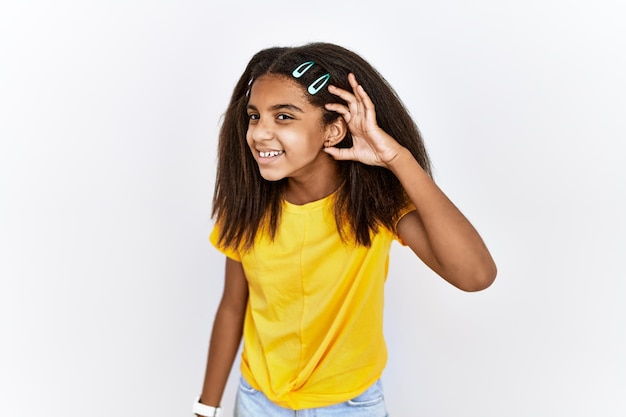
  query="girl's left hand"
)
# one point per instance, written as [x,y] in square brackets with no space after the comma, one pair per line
[370,144]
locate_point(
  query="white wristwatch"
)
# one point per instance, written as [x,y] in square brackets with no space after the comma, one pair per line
[205,410]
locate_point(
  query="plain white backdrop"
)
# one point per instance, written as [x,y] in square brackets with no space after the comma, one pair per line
[109,113]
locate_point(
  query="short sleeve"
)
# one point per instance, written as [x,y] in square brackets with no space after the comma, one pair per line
[406,210]
[214,237]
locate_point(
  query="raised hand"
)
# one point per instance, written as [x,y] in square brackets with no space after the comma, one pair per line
[371,144]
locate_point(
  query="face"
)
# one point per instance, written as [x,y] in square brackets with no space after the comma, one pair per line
[285,132]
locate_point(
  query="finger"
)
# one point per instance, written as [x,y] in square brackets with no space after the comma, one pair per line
[368,104]
[348,97]
[356,88]
[340,154]
[353,82]
[341,109]
[363,96]
[340,92]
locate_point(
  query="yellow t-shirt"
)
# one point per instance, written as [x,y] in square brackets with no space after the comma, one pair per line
[313,331]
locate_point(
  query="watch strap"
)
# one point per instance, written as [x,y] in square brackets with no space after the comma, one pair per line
[206,410]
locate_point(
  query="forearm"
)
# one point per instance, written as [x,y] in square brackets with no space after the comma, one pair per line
[225,340]
[458,252]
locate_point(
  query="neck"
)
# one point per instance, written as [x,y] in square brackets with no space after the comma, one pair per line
[306,190]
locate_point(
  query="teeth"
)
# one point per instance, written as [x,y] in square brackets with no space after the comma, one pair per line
[269,154]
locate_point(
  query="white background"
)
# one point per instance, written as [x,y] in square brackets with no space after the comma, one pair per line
[109,113]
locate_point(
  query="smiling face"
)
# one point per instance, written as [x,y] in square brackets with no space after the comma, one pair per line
[285,132]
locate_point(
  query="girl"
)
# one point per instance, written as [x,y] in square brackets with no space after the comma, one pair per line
[320,168]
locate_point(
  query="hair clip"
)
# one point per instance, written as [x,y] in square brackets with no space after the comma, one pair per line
[315,85]
[249,87]
[302,68]
[318,84]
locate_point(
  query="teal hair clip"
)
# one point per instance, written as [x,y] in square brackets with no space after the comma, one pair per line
[249,87]
[318,84]
[315,85]
[302,68]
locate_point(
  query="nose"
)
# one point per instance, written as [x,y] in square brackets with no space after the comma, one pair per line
[261,130]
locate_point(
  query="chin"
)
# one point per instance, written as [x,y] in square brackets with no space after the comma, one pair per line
[272,177]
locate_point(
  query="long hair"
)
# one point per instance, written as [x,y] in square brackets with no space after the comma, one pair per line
[367,198]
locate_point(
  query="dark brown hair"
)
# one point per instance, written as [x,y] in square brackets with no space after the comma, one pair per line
[368,197]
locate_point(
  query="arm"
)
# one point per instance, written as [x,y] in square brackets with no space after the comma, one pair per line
[226,334]
[436,231]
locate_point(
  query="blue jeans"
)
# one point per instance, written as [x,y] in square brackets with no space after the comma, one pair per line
[253,403]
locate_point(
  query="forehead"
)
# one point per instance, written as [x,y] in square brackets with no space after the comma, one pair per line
[269,90]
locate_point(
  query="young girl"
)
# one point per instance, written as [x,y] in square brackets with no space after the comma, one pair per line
[320,168]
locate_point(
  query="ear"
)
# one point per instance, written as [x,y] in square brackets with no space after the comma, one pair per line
[335,132]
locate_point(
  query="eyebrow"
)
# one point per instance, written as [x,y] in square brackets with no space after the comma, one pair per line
[275,107]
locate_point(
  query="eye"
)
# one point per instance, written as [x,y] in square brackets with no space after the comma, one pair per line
[253,116]
[283,116]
